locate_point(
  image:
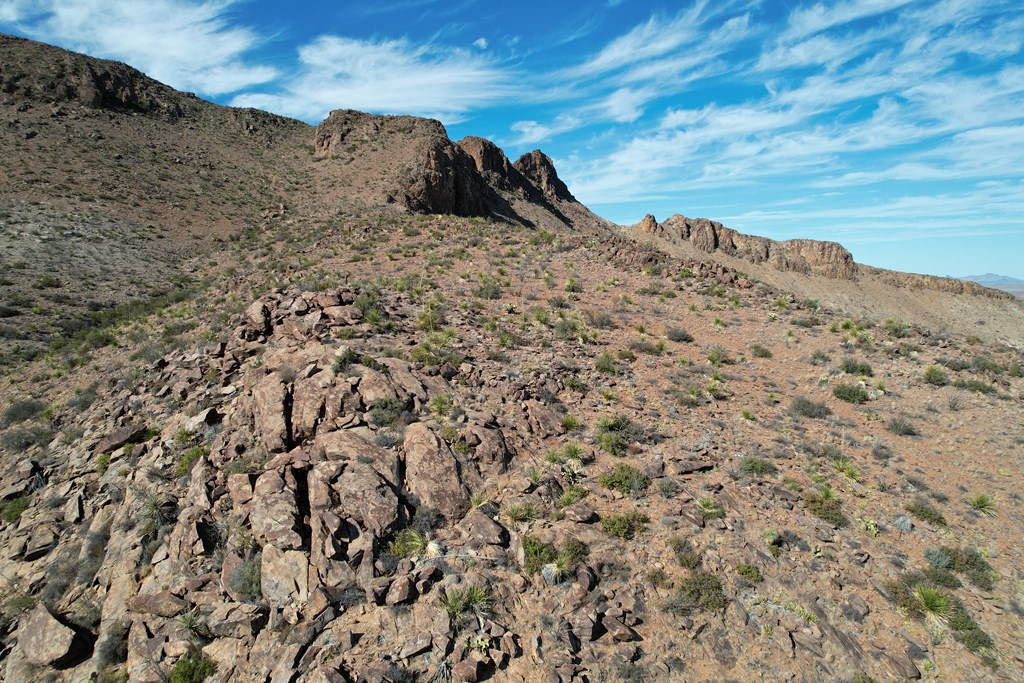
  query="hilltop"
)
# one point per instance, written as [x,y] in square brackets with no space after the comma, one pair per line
[357,402]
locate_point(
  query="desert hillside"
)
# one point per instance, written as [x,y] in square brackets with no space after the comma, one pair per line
[356,402]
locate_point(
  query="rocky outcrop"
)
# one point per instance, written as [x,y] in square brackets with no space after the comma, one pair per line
[30,71]
[810,257]
[44,640]
[538,168]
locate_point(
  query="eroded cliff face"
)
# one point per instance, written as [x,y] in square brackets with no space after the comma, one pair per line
[812,257]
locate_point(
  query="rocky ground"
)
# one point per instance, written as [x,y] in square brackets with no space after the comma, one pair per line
[364,441]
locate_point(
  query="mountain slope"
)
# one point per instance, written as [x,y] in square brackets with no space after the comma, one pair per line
[306,428]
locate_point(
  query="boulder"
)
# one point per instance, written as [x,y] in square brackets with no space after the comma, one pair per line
[44,640]
[271,425]
[274,513]
[283,577]
[432,472]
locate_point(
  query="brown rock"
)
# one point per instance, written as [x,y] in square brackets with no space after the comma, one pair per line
[274,513]
[402,590]
[283,576]
[44,640]
[163,604]
[119,438]
[269,399]
[432,472]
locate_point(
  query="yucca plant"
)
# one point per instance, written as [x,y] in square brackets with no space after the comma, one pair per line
[933,602]
[983,504]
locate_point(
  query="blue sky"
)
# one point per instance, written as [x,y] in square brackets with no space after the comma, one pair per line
[892,126]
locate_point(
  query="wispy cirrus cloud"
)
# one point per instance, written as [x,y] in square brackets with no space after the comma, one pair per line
[189,44]
[386,76]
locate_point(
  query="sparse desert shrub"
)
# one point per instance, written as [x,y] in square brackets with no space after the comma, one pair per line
[385,411]
[192,667]
[925,511]
[716,355]
[19,411]
[521,513]
[570,496]
[600,320]
[702,591]
[709,508]
[851,393]
[605,363]
[537,554]
[685,553]
[22,438]
[625,479]
[442,405]
[823,505]
[678,334]
[808,408]
[975,385]
[10,510]
[245,580]
[615,434]
[188,459]
[757,467]
[820,358]
[902,427]
[758,351]
[852,366]
[460,600]
[750,572]
[934,374]
[625,526]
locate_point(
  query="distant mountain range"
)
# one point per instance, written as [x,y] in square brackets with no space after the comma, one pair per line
[1003,282]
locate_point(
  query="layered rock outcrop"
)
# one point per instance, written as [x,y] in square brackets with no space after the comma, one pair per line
[811,257]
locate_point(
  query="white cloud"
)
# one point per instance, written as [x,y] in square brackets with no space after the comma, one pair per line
[187,44]
[480,43]
[388,76]
[807,21]
[532,132]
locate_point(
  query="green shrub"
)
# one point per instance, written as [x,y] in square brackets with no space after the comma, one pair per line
[851,393]
[923,510]
[625,479]
[571,495]
[852,366]
[757,467]
[709,508]
[902,427]
[188,459]
[10,510]
[537,554]
[934,374]
[678,334]
[702,591]
[460,600]
[975,385]
[522,512]
[615,434]
[625,526]
[442,405]
[102,463]
[750,572]
[685,553]
[385,411]
[808,408]
[193,667]
[825,506]
[606,364]
[758,351]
